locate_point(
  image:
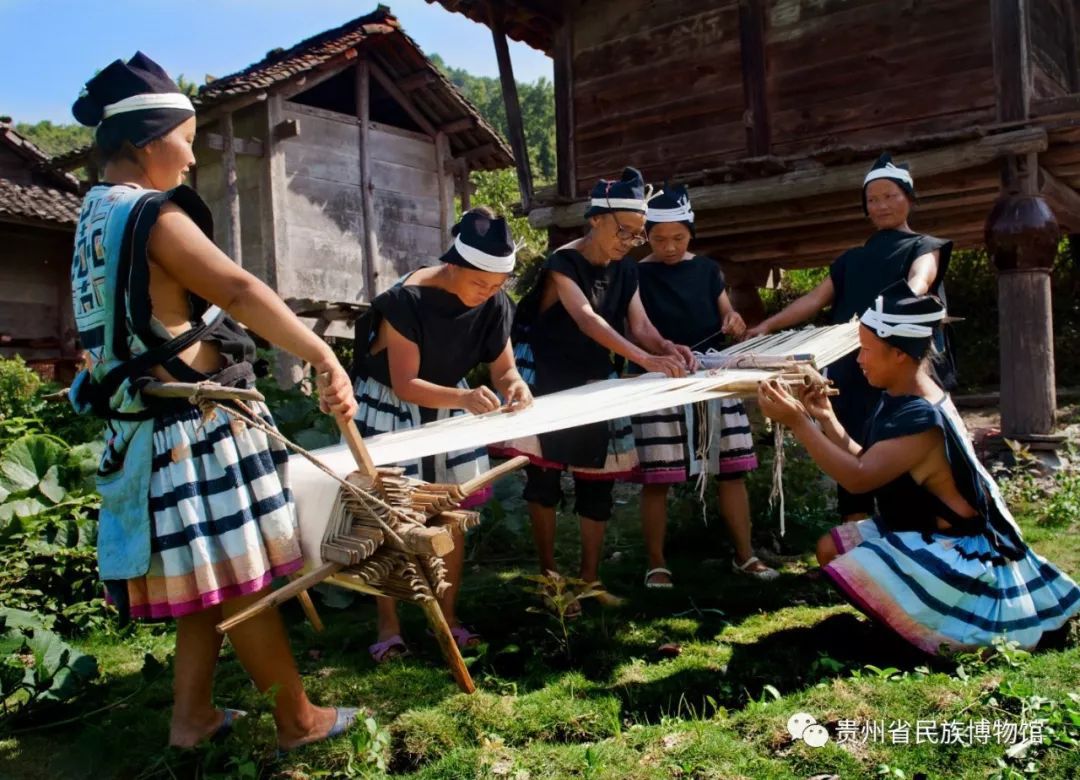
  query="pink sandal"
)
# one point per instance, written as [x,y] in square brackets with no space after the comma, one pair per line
[388,649]
[465,638]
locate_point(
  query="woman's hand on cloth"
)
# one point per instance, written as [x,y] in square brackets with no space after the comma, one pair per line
[518,396]
[778,404]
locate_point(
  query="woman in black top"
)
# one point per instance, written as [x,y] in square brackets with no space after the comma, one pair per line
[421,337]
[855,279]
[565,332]
[685,297]
[943,563]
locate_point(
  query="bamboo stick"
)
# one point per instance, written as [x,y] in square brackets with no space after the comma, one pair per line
[279,596]
[208,390]
[309,609]
[483,480]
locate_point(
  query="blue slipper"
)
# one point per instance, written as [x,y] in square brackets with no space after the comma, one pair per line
[345,718]
[222,732]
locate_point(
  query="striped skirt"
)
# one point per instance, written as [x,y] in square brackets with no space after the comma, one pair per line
[679,443]
[936,590]
[621,459]
[381,411]
[222,515]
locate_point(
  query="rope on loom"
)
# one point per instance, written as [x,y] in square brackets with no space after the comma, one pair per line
[701,409]
[366,498]
[778,473]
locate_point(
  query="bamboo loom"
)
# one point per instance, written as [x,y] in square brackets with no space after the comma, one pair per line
[366,527]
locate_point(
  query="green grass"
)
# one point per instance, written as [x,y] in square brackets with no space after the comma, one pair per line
[618,709]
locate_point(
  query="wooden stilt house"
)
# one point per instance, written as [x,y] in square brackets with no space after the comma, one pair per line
[331,166]
[39,207]
[773,110]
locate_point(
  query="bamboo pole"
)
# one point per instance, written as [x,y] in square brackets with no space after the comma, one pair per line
[483,480]
[279,596]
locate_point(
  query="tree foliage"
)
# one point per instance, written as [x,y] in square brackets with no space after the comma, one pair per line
[54,139]
[537,113]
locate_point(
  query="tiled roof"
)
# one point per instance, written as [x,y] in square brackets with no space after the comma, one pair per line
[380,35]
[30,201]
[36,160]
[532,22]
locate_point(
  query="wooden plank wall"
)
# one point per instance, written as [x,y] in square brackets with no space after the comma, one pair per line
[323,217]
[1053,47]
[658,83]
[855,72]
[406,200]
[248,123]
[35,287]
[14,168]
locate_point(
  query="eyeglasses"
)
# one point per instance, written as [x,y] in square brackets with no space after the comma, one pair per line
[625,235]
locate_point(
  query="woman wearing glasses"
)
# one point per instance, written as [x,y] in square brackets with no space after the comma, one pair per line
[421,337]
[565,332]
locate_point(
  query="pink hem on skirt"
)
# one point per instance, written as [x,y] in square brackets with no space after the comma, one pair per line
[214,597]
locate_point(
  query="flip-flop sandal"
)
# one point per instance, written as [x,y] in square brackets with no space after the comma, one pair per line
[767,574]
[388,649]
[605,598]
[222,732]
[343,721]
[658,585]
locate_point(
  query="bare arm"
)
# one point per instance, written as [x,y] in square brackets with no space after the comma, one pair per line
[858,473]
[642,331]
[818,406]
[179,248]
[733,323]
[508,381]
[798,311]
[403,357]
[923,272]
[877,466]
[596,327]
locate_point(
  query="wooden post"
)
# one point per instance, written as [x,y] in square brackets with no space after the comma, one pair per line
[1010,36]
[464,185]
[363,114]
[563,74]
[1022,237]
[446,195]
[513,106]
[288,368]
[232,191]
[752,54]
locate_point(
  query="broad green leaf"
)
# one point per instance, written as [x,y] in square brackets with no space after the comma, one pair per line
[50,486]
[63,666]
[17,477]
[21,507]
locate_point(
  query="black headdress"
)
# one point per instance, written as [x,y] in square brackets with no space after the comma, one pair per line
[482,243]
[904,319]
[885,169]
[672,204]
[133,101]
[627,194]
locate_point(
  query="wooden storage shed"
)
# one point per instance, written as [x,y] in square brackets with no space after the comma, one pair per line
[39,208]
[773,110]
[331,167]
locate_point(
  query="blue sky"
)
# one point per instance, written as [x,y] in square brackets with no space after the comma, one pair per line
[51,47]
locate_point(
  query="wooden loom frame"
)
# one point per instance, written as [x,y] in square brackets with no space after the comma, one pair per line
[788,355]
